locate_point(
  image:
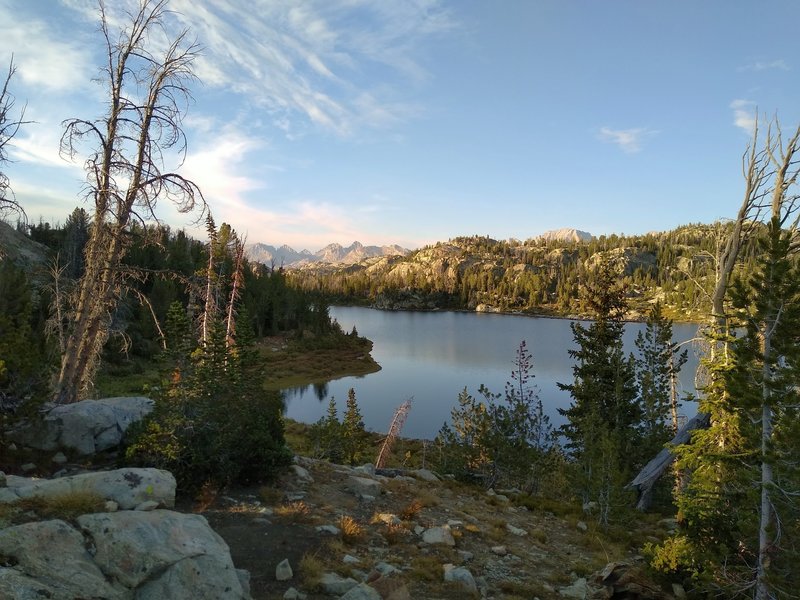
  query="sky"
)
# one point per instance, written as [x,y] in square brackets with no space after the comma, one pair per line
[415,121]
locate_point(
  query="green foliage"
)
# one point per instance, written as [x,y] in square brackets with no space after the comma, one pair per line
[213,423]
[24,360]
[341,442]
[502,440]
[744,474]
[658,363]
[535,276]
[355,440]
[602,431]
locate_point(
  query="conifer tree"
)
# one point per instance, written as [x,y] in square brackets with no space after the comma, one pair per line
[739,512]
[602,431]
[354,436]
[657,366]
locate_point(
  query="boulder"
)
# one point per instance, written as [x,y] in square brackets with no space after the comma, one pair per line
[516,530]
[302,474]
[283,572]
[194,578]
[462,576]
[14,584]
[579,590]
[164,552]
[425,475]
[438,535]
[336,585]
[52,555]
[129,488]
[361,592]
[84,427]
[363,486]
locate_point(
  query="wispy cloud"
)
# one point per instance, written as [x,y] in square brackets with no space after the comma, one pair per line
[307,63]
[775,65]
[41,59]
[744,114]
[629,140]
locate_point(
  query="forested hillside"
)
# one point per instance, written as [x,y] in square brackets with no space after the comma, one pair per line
[162,267]
[535,276]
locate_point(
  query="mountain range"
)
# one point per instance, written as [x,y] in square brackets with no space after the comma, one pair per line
[336,254]
[331,254]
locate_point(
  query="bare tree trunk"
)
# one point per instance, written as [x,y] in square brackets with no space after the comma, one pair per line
[757,172]
[765,517]
[9,127]
[210,308]
[148,125]
[236,290]
[783,206]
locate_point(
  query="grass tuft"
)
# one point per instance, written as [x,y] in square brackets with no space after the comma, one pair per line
[352,531]
[294,512]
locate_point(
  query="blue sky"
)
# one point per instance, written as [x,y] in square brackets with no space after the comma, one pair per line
[413,121]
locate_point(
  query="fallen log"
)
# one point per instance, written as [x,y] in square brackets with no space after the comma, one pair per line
[650,473]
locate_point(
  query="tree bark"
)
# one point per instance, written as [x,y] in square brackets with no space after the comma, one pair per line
[653,470]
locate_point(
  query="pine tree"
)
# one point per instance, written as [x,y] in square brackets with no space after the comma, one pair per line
[657,367]
[602,431]
[739,510]
[354,436]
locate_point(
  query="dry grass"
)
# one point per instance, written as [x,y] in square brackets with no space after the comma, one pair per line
[294,512]
[352,531]
[497,529]
[472,528]
[426,568]
[270,495]
[395,534]
[427,499]
[411,510]
[539,535]
[335,547]
[66,506]
[205,497]
[522,590]
[311,570]
[397,486]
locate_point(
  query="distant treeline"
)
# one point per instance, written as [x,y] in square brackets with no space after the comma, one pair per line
[541,277]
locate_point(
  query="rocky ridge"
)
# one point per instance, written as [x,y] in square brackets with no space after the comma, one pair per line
[331,254]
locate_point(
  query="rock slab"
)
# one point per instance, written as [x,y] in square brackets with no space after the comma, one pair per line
[85,427]
[129,488]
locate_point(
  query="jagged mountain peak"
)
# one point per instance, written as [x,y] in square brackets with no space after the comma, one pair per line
[333,253]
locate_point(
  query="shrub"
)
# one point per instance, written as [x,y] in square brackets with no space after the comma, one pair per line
[213,424]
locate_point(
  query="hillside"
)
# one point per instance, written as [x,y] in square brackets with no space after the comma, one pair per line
[541,275]
[338,525]
[20,249]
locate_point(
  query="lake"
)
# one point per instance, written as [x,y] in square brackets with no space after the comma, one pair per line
[431,356]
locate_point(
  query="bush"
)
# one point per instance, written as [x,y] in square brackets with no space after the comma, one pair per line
[501,439]
[213,423]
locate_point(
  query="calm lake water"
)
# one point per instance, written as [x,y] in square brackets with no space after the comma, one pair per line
[431,356]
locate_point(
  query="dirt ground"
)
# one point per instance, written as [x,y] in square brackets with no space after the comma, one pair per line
[541,553]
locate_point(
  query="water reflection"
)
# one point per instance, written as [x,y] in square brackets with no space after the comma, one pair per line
[432,356]
[320,391]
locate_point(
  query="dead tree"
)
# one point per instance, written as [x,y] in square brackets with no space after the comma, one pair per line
[757,170]
[398,420]
[9,127]
[148,94]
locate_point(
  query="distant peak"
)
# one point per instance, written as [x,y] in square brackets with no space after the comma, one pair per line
[566,235]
